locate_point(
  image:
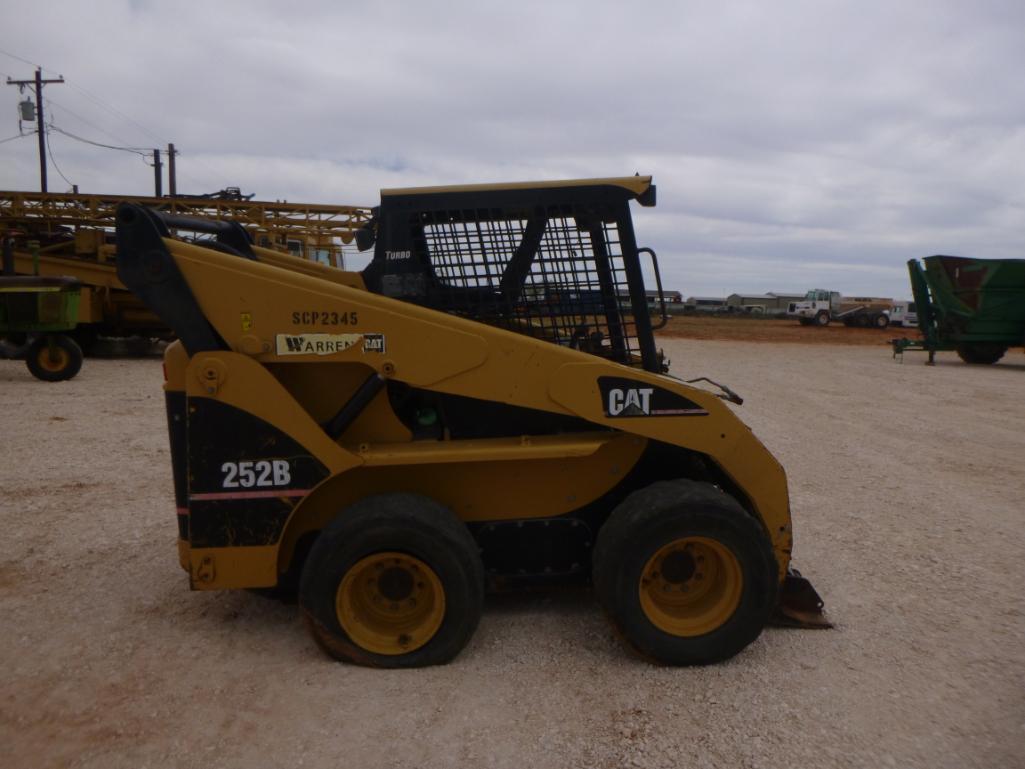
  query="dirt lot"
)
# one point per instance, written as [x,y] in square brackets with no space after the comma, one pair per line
[908,500]
[759,329]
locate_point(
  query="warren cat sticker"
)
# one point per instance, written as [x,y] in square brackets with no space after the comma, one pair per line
[315,344]
[629,398]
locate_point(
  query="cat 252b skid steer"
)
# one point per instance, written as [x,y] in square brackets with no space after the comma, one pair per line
[483,405]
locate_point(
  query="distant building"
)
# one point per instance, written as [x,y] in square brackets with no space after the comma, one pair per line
[766,304]
[705,303]
[671,297]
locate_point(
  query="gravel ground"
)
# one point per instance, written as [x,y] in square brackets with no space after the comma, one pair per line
[908,500]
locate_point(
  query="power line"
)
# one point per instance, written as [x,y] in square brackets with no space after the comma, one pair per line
[23,61]
[137,150]
[143,153]
[93,98]
[12,138]
[45,127]
[99,102]
[38,82]
[89,123]
[49,150]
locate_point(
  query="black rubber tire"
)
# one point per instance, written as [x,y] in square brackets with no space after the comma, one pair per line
[822,319]
[656,515]
[981,352]
[69,364]
[407,523]
[805,321]
[881,320]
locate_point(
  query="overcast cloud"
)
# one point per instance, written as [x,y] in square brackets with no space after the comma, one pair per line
[794,143]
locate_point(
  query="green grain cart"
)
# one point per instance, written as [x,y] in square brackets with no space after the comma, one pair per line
[975,307]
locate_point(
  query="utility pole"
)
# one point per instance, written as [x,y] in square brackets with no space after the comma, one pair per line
[39,82]
[172,180]
[157,171]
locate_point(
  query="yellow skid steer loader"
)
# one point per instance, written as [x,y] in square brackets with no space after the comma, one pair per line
[483,405]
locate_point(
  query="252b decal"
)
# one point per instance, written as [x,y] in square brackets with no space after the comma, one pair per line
[261,474]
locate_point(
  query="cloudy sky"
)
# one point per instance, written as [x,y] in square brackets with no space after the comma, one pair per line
[795,143]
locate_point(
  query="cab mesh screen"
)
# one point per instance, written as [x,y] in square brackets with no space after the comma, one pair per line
[557,277]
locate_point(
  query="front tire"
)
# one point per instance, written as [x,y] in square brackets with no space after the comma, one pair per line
[685,574]
[822,319]
[394,581]
[61,362]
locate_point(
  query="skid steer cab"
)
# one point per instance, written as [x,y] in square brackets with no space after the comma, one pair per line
[482,406]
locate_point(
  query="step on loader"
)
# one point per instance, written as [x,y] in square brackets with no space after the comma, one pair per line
[482,406]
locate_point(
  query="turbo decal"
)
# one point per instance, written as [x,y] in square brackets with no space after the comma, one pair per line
[628,398]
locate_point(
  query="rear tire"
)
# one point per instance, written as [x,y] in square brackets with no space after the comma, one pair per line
[65,362]
[395,581]
[685,574]
[881,321]
[981,352]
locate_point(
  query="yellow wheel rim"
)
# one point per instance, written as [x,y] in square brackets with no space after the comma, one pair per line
[691,586]
[58,362]
[390,603]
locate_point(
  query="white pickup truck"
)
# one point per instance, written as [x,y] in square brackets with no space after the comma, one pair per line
[904,313]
